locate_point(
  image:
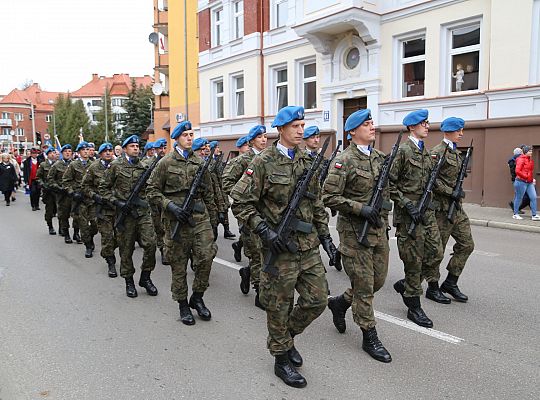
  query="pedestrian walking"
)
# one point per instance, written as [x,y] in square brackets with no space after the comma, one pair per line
[512,166]
[48,196]
[30,168]
[525,183]
[8,177]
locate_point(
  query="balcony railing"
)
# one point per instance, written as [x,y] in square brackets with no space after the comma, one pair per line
[6,122]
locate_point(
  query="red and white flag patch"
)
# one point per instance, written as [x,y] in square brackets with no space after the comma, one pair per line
[338,165]
[249,171]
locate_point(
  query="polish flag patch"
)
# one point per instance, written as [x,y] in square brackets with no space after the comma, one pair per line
[338,165]
[249,171]
[434,156]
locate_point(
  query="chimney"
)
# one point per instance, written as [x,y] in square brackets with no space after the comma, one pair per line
[94,77]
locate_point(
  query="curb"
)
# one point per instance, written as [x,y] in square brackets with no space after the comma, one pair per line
[504,225]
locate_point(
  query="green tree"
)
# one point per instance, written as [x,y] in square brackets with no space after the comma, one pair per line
[138,110]
[69,117]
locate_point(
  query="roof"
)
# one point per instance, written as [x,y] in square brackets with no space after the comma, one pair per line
[32,94]
[119,85]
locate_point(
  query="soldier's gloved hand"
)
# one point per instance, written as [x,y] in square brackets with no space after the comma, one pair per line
[371,214]
[458,194]
[329,247]
[221,218]
[413,212]
[179,213]
[98,199]
[270,238]
[77,196]
[215,231]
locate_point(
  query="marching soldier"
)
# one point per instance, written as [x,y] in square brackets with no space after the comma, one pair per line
[148,153]
[168,186]
[48,196]
[63,200]
[260,198]
[312,139]
[160,149]
[91,152]
[256,140]
[348,189]
[72,181]
[103,211]
[460,227]
[116,186]
[421,254]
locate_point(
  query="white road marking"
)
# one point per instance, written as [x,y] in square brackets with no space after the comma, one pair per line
[386,317]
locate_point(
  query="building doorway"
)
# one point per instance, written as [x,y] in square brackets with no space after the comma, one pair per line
[349,107]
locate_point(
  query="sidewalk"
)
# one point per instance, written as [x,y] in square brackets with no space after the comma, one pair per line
[500,218]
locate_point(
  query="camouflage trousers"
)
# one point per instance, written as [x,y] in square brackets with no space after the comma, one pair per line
[366,268]
[421,255]
[87,222]
[140,230]
[63,211]
[252,250]
[105,225]
[303,271]
[197,241]
[49,200]
[157,221]
[460,230]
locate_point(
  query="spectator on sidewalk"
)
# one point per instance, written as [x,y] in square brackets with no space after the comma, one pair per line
[14,161]
[30,167]
[512,165]
[525,183]
[8,177]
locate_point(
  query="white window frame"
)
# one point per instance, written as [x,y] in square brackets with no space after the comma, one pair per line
[447,52]
[400,61]
[18,116]
[48,118]
[274,14]
[6,131]
[20,131]
[216,96]
[302,80]
[5,115]
[274,85]
[236,94]
[534,71]
[238,20]
[217,26]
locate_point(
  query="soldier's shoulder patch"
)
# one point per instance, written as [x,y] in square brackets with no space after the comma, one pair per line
[338,165]
[434,156]
[249,171]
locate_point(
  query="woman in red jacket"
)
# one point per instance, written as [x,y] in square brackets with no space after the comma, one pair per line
[525,183]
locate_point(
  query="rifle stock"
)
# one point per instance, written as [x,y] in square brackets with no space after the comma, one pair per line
[326,164]
[454,205]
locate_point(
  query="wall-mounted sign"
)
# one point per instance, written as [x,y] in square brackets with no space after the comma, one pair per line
[180,117]
[326,116]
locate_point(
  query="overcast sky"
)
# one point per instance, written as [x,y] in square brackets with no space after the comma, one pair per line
[60,43]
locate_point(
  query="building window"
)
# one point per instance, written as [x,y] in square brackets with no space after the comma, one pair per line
[94,117]
[281,88]
[5,115]
[352,59]
[20,131]
[217,27]
[218,99]
[464,57]
[413,62]
[96,103]
[6,131]
[18,116]
[238,85]
[48,118]
[118,117]
[280,13]
[238,16]
[308,73]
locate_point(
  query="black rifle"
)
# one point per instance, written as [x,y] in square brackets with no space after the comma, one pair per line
[221,168]
[289,222]
[377,199]
[459,183]
[189,203]
[326,164]
[425,200]
[217,162]
[133,198]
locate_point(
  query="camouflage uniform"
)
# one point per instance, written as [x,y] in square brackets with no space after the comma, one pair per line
[156,213]
[48,197]
[221,203]
[105,216]
[262,195]
[83,216]
[170,182]
[117,184]
[460,228]
[63,201]
[252,246]
[422,255]
[347,188]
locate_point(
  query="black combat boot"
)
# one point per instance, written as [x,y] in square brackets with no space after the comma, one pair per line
[62,231]
[373,346]
[237,247]
[112,268]
[67,238]
[88,251]
[244,279]
[131,291]
[287,372]
[164,260]
[51,229]
[294,357]
[450,286]
[257,301]
[146,283]
[77,237]
[92,244]
[339,306]
[227,234]
[196,302]
[434,293]
[185,313]
[415,312]
[399,286]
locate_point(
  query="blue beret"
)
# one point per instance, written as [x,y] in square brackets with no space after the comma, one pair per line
[180,128]
[160,143]
[288,114]
[131,139]
[415,117]
[66,147]
[148,145]
[198,143]
[452,124]
[105,146]
[91,145]
[255,131]
[49,149]
[213,143]
[356,119]
[82,145]
[241,141]
[310,131]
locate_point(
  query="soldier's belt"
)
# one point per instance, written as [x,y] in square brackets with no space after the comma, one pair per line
[301,226]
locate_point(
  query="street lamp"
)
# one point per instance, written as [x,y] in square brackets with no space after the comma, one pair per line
[33,121]
[54,121]
[151,113]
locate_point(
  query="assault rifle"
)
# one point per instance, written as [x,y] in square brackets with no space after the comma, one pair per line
[377,199]
[134,199]
[454,204]
[221,168]
[426,198]
[218,161]
[289,222]
[326,164]
[189,203]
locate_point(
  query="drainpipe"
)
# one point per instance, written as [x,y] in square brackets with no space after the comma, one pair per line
[186,80]
[262,59]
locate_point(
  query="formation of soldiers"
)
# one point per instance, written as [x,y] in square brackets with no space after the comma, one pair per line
[280,195]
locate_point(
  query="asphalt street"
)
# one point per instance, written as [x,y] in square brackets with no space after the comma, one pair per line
[67,331]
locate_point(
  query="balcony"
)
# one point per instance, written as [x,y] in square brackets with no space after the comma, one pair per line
[6,122]
[162,63]
[162,102]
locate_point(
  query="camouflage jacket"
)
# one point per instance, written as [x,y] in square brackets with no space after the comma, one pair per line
[146,161]
[408,176]
[448,174]
[219,198]
[42,174]
[74,174]
[264,190]
[234,170]
[90,183]
[171,180]
[56,173]
[349,186]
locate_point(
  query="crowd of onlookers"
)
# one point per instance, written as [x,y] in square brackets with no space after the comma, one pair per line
[521,166]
